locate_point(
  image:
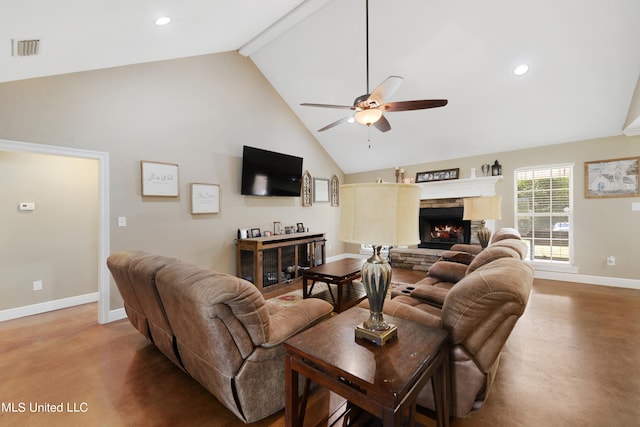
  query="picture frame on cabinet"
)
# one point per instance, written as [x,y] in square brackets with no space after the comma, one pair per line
[255,232]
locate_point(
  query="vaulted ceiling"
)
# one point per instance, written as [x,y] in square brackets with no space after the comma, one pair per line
[583,57]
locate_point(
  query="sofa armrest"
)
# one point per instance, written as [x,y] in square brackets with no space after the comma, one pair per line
[409,308]
[448,271]
[292,319]
[433,295]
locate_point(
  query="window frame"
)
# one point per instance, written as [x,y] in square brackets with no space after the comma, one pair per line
[549,264]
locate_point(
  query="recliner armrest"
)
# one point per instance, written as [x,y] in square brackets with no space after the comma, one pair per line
[292,319]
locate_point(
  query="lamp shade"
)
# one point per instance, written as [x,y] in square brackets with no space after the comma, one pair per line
[380,214]
[481,208]
[368,116]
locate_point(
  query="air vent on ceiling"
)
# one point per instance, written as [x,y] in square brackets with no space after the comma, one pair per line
[25,47]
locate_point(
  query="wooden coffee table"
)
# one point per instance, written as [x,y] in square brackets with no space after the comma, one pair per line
[384,381]
[341,273]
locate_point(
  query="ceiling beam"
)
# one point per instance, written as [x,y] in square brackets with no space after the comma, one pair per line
[281,26]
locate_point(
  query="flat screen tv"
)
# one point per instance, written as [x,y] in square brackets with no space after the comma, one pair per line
[267,173]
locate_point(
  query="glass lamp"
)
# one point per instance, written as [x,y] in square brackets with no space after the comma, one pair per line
[377,215]
[369,116]
[481,209]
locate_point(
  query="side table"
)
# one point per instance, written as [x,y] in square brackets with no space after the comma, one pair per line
[384,381]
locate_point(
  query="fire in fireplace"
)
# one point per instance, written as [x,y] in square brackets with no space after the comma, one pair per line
[441,228]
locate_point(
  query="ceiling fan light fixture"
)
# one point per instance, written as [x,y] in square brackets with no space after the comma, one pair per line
[368,117]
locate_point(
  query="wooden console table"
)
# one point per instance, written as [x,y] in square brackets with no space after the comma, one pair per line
[274,262]
[384,381]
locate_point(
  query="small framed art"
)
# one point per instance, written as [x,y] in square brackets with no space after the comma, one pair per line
[205,198]
[441,175]
[159,179]
[320,190]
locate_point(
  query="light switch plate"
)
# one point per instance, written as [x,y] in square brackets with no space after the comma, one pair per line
[122,221]
[635,206]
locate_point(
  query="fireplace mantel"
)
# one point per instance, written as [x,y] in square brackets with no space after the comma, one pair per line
[464,187]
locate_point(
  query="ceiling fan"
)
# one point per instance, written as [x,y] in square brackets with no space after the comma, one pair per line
[370,106]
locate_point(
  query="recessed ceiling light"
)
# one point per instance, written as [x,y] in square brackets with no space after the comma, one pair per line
[351,120]
[521,69]
[163,20]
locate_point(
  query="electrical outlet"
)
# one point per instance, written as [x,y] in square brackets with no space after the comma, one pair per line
[122,221]
[37,285]
[611,260]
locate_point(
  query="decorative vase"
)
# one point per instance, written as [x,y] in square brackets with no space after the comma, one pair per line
[485,169]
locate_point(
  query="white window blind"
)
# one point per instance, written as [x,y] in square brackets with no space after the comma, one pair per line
[544,211]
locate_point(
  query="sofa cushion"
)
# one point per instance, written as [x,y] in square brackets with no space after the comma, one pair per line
[490,254]
[516,244]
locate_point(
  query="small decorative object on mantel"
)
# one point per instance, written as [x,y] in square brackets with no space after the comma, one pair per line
[306,189]
[397,174]
[496,169]
[255,232]
[441,175]
[299,227]
[335,191]
[472,174]
[485,169]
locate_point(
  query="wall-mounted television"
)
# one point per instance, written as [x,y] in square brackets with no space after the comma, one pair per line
[267,173]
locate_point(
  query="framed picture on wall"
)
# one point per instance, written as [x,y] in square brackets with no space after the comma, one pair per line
[159,179]
[205,198]
[611,178]
[320,190]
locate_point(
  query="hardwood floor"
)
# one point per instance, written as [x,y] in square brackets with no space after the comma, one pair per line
[571,361]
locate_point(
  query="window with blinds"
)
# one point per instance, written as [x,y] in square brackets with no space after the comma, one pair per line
[544,211]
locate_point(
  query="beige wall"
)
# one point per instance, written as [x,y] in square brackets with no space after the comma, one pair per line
[602,227]
[63,227]
[196,112]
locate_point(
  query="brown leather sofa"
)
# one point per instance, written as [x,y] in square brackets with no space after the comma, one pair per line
[479,311]
[459,261]
[216,327]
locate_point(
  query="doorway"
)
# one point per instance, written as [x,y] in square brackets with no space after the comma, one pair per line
[104,313]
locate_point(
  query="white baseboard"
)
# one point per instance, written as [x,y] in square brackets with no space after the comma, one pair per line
[589,280]
[29,310]
[117,314]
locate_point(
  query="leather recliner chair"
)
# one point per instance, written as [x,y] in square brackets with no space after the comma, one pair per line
[479,313]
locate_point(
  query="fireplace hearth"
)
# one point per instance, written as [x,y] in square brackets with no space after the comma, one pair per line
[441,228]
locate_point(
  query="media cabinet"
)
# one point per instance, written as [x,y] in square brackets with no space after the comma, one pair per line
[274,262]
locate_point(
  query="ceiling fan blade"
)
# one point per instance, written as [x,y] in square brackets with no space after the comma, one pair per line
[415,105]
[343,107]
[336,123]
[382,124]
[385,89]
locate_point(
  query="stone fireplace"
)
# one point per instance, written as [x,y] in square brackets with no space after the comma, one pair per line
[443,227]
[441,224]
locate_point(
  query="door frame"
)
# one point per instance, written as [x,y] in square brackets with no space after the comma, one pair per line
[104,313]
